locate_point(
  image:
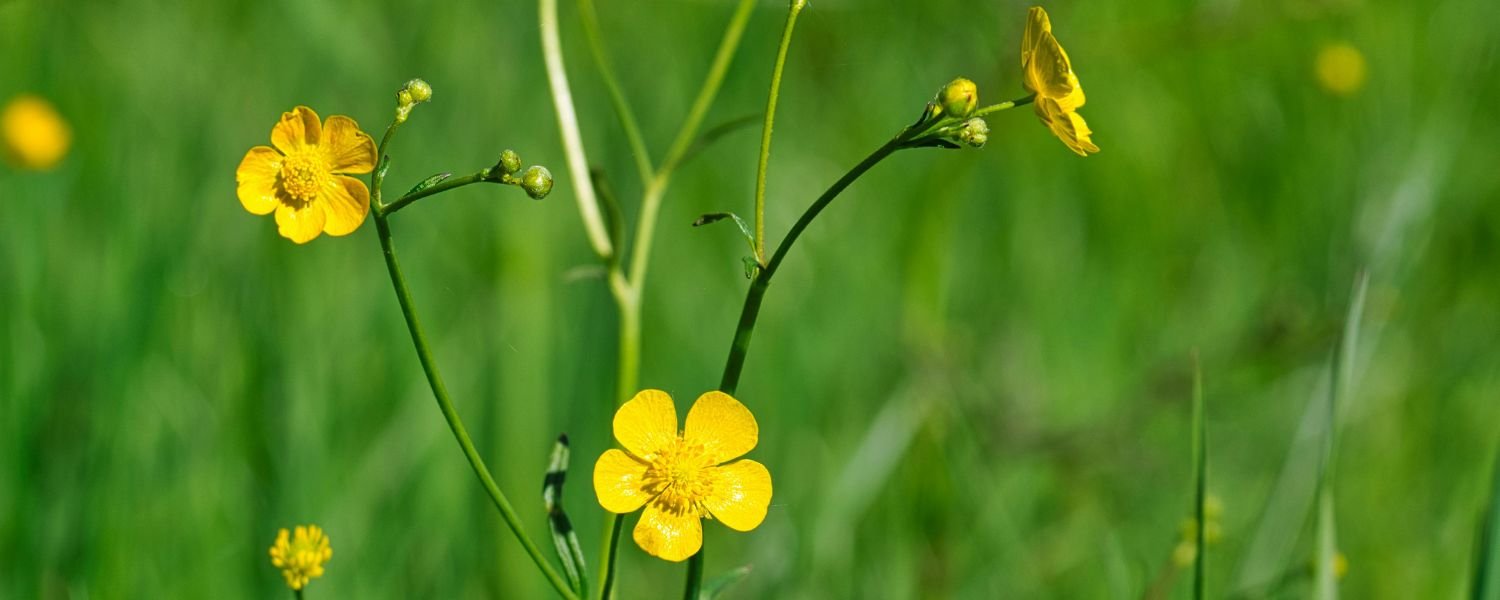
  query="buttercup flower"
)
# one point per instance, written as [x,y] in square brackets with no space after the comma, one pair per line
[304,178]
[1047,72]
[681,477]
[34,136]
[301,556]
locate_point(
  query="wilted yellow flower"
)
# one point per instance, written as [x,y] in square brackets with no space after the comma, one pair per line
[304,178]
[301,556]
[34,135]
[1341,69]
[681,477]
[1047,72]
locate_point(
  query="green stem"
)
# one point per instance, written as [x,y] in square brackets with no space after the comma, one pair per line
[694,576]
[590,18]
[297,594]
[447,184]
[613,525]
[741,344]
[657,186]
[440,390]
[567,124]
[765,134]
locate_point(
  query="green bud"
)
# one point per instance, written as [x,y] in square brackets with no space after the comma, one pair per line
[510,162]
[975,132]
[537,182]
[418,90]
[959,98]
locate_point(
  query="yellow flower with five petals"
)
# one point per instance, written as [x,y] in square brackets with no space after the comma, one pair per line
[304,178]
[681,477]
[1047,72]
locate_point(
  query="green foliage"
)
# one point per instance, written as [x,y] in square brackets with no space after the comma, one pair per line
[177,381]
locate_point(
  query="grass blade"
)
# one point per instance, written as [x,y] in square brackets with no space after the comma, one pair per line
[1200,476]
[1486,584]
[563,536]
[717,585]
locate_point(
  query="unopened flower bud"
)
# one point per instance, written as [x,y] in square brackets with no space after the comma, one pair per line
[413,93]
[510,162]
[537,182]
[959,98]
[975,132]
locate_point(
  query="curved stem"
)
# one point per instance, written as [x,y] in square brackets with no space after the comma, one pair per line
[445,185]
[694,576]
[765,133]
[439,389]
[741,344]
[590,18]
[567,122]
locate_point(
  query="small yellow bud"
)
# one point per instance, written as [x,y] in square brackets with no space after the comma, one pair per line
[959,98]
[537,182]
[1340,69]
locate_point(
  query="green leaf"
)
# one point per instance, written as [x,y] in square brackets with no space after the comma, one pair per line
[717,585]
[429,182]
[712,218]
[564,539]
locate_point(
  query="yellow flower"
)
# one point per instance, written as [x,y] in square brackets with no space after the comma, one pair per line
[1341,69]
[34,135]
[301,557]
[1047,72]
[303,179]
[681,477]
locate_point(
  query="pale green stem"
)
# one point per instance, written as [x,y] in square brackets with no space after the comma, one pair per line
[567,122]
[765,133]
[590,18]
[440,390]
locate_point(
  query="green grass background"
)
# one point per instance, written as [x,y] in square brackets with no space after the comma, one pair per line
[972,377]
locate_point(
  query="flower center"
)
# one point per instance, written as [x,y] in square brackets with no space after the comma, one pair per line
[679,477]
[302,175]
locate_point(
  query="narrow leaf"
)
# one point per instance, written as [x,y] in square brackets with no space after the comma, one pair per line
[712,218]
[717,585]
[563,537]
[429,182]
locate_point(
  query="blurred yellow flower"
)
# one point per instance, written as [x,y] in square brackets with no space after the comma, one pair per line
[1047,72]
[301,556]
[304,178]
[34,135]
[681,477]
[1341,69]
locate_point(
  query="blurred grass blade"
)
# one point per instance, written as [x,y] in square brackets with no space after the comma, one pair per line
[563,536]
[717,585]
[1341,374]
[1486,584]
[1200,476]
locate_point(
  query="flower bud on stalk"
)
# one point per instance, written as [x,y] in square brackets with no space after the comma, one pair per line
[537,182]
[413,93]
[959,98]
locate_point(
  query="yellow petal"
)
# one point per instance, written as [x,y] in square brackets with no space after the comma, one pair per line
[1037,23]
[723,425]
[296,129]
[1049,70]
[617,482]
[300,224]
[257,180]
[349,150]
[741,494]
[1067,125]
[647,423]
[347,201]
[669,535]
